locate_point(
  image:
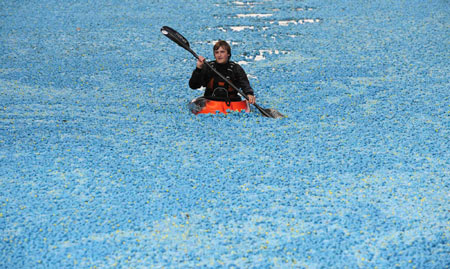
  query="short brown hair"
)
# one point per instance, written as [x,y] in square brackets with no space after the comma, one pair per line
[224,44]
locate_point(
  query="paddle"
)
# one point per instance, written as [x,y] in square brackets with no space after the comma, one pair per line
[182,42]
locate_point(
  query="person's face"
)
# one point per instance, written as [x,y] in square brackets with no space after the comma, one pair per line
[221,55]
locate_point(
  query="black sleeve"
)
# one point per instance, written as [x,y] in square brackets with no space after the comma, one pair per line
[242,80]
[197,79]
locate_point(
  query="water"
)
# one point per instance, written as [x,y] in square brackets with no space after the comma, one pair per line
[103,164]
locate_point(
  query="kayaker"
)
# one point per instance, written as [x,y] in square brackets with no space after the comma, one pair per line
[216,87]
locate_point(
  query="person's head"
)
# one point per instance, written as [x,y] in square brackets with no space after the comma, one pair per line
[222,51]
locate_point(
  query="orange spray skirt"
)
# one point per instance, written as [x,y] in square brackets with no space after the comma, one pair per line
[212,107]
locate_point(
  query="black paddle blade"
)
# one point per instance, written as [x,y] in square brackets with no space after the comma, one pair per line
[274,113]
[269,112]
[175,37]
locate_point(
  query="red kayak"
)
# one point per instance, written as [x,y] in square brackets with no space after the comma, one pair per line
[205,106]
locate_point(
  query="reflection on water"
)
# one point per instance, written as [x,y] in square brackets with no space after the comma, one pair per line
[251,15]
[241,28]
[295,22]
[266,21]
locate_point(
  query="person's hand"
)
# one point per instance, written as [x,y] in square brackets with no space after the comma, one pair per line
[251,99]
[200,62]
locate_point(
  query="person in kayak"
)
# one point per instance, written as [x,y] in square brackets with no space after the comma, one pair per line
[216,88]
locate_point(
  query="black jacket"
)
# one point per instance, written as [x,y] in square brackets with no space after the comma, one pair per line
[205,77]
